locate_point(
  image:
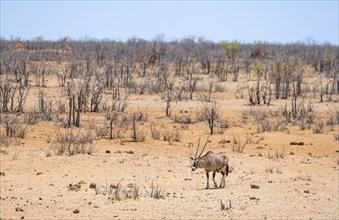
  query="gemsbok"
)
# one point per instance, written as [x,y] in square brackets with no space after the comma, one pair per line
[211,162]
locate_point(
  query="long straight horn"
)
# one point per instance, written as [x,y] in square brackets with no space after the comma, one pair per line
[204,146]
[196,153]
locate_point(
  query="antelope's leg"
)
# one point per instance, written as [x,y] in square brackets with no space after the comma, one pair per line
[208,180]
[222,183]
[215,183]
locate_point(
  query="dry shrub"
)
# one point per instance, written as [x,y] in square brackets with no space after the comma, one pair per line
[237,144]
[155,133]
[277,155]
[156,192]
[268,125]
[319,127]
[183,118]
[73,143]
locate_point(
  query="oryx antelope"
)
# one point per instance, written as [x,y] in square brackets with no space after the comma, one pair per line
[211,162]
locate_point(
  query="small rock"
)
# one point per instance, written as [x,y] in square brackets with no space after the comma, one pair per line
[2,173]
[92,186]
[19,209]
[129,152]
[252,198]
[74,187]
[254,186]
[76,211]
[297,143]
[270,181]
[107,151]
[39,173]
[82,182]
[306,191]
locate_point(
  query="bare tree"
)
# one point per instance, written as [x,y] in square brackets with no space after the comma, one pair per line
[211,114]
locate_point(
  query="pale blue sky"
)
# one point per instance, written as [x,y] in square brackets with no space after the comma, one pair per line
[247,21]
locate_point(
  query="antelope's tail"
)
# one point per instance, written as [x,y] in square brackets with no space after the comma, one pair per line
[227,169]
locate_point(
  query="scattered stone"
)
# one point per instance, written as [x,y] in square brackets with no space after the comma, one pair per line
[253,198]
[76,211]
[96,206]
[74,187]
[292,153]
[107,151]
[19,209]
[129,152]
[337,151]
[254,186]
[22,217]
[39,173]
[306,191]
[188,179]
[2,173]
[92,186]
[297,143]
[270,181]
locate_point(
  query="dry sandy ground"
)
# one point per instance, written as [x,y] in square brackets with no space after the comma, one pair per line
[301,185]
[298,186]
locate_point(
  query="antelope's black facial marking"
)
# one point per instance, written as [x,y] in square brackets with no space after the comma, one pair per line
[195,164]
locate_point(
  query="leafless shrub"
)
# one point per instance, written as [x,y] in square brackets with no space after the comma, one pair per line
[132,191]
[137,135]
[280,155]
[221,126]
[74,143]
[219,88]
[60,107]
[171,136]
[155,133]
[115,192]
[199,114]
[334,113]
[156,192]
[5,141]
[319,127]
[211,115]
[31,118]
[21,131]
[183,118]
[237,144]
[277,155]
[259,114]
[101,132]
[11,124]
[142,114]
[269,125]
[120,105]
[168,136]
